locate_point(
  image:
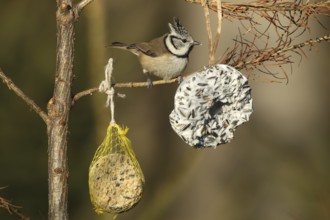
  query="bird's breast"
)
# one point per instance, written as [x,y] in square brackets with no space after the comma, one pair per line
[166,66]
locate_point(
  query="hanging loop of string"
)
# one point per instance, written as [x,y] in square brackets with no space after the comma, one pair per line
[107,88]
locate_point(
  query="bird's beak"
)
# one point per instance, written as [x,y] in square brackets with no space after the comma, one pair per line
[196,43]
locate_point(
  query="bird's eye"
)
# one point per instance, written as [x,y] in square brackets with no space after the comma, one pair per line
[184,40]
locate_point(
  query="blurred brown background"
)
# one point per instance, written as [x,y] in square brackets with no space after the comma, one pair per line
[277,166]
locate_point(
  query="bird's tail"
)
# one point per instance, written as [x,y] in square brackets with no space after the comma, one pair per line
[129,47]
[119,45]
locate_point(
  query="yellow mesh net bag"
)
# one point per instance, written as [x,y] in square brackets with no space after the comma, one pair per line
[115,177]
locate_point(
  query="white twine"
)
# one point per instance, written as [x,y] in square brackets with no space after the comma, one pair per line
[107,88]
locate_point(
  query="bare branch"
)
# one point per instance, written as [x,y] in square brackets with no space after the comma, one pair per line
[81,94]
[59,108]
[91,91]
[218,33]
[208,30]
[144,84]
[229,9]
[282,15]
[12,209]
[6,80]
[304,44]
[212,45]
[81,5]
[251,58]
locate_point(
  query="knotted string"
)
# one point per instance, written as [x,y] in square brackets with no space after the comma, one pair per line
[107,88]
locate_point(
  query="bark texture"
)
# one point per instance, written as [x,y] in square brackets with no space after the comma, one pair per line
[58,112]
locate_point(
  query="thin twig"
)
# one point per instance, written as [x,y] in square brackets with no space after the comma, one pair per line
[144,84]
[309,42]
[267,54]
[91,91]
[266,5]
[212,44]
[208,29]
[6,80]
[218,33]
[284,16]
[12,209]
[81,94]
[251,59]
[81,5]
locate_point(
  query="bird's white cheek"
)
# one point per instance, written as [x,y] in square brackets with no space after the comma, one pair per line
[170,46]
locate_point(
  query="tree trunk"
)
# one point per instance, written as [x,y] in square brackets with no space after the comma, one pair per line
[58,112]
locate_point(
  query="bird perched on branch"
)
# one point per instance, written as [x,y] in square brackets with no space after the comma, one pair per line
[165,57]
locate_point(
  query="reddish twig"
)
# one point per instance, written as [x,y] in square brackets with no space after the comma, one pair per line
[12,209]
[250,57]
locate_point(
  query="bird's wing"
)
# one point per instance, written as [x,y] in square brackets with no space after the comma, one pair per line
[153,48]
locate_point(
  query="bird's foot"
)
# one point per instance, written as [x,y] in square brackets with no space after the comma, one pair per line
[149,81]
[180,79]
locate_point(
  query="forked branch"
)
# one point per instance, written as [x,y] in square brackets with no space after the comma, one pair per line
[254,49]
[239,10]
[12,209]
[11,85]
[246,55]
